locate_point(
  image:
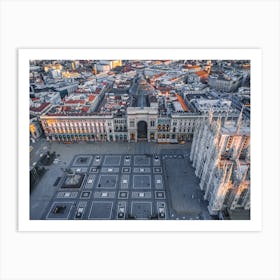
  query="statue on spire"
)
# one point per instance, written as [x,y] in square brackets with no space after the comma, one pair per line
[218,125]
[239,121]
[210,115]
[226,117]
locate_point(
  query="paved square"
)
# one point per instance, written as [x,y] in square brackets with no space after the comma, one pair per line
[112,160]
[85,194]
[141,160]
[125,181]
[110,170]
[79,169]
[89,183]
[123,195]
[125,186]
[142,182]
[156,160]
[60,210]
[141,195]
[107,182]
[141,210]
[94,170]
[67,194]
[161,210]
[80,210]
[159,194]
[127,160]
[157,170]
[104,194]
[97,160]
[57,181]
[82,160]
[126,170]
[121,210]
[73,181]
[158,182]
[142,170]
[101,210]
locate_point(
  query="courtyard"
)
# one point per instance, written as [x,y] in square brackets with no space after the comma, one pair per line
[119,181]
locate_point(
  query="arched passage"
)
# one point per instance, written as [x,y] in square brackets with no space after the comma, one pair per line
[141,130]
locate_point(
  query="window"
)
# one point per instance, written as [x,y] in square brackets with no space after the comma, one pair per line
[242,196]
[132,123]
[245,143]
[229,142]
[228,196]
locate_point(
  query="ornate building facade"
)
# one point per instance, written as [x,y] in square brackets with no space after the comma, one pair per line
[220,154]
[137,124]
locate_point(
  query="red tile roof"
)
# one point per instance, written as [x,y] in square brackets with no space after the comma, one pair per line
[40,108]
[75,101]
[201,73]
[85,109]
[182,102]
[192,66]
[91,98]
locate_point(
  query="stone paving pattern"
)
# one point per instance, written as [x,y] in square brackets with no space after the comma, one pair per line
[157,183]
[140,197]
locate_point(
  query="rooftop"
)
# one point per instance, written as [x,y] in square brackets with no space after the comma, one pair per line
[40,107]
[61,111]
[182,103]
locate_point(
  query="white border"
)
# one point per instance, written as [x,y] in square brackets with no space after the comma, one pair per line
[255,55]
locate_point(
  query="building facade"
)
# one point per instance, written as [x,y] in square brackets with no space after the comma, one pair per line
[35,128]
[142,124]
[225,83]
[78,128]
[136,124]
[220,154]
